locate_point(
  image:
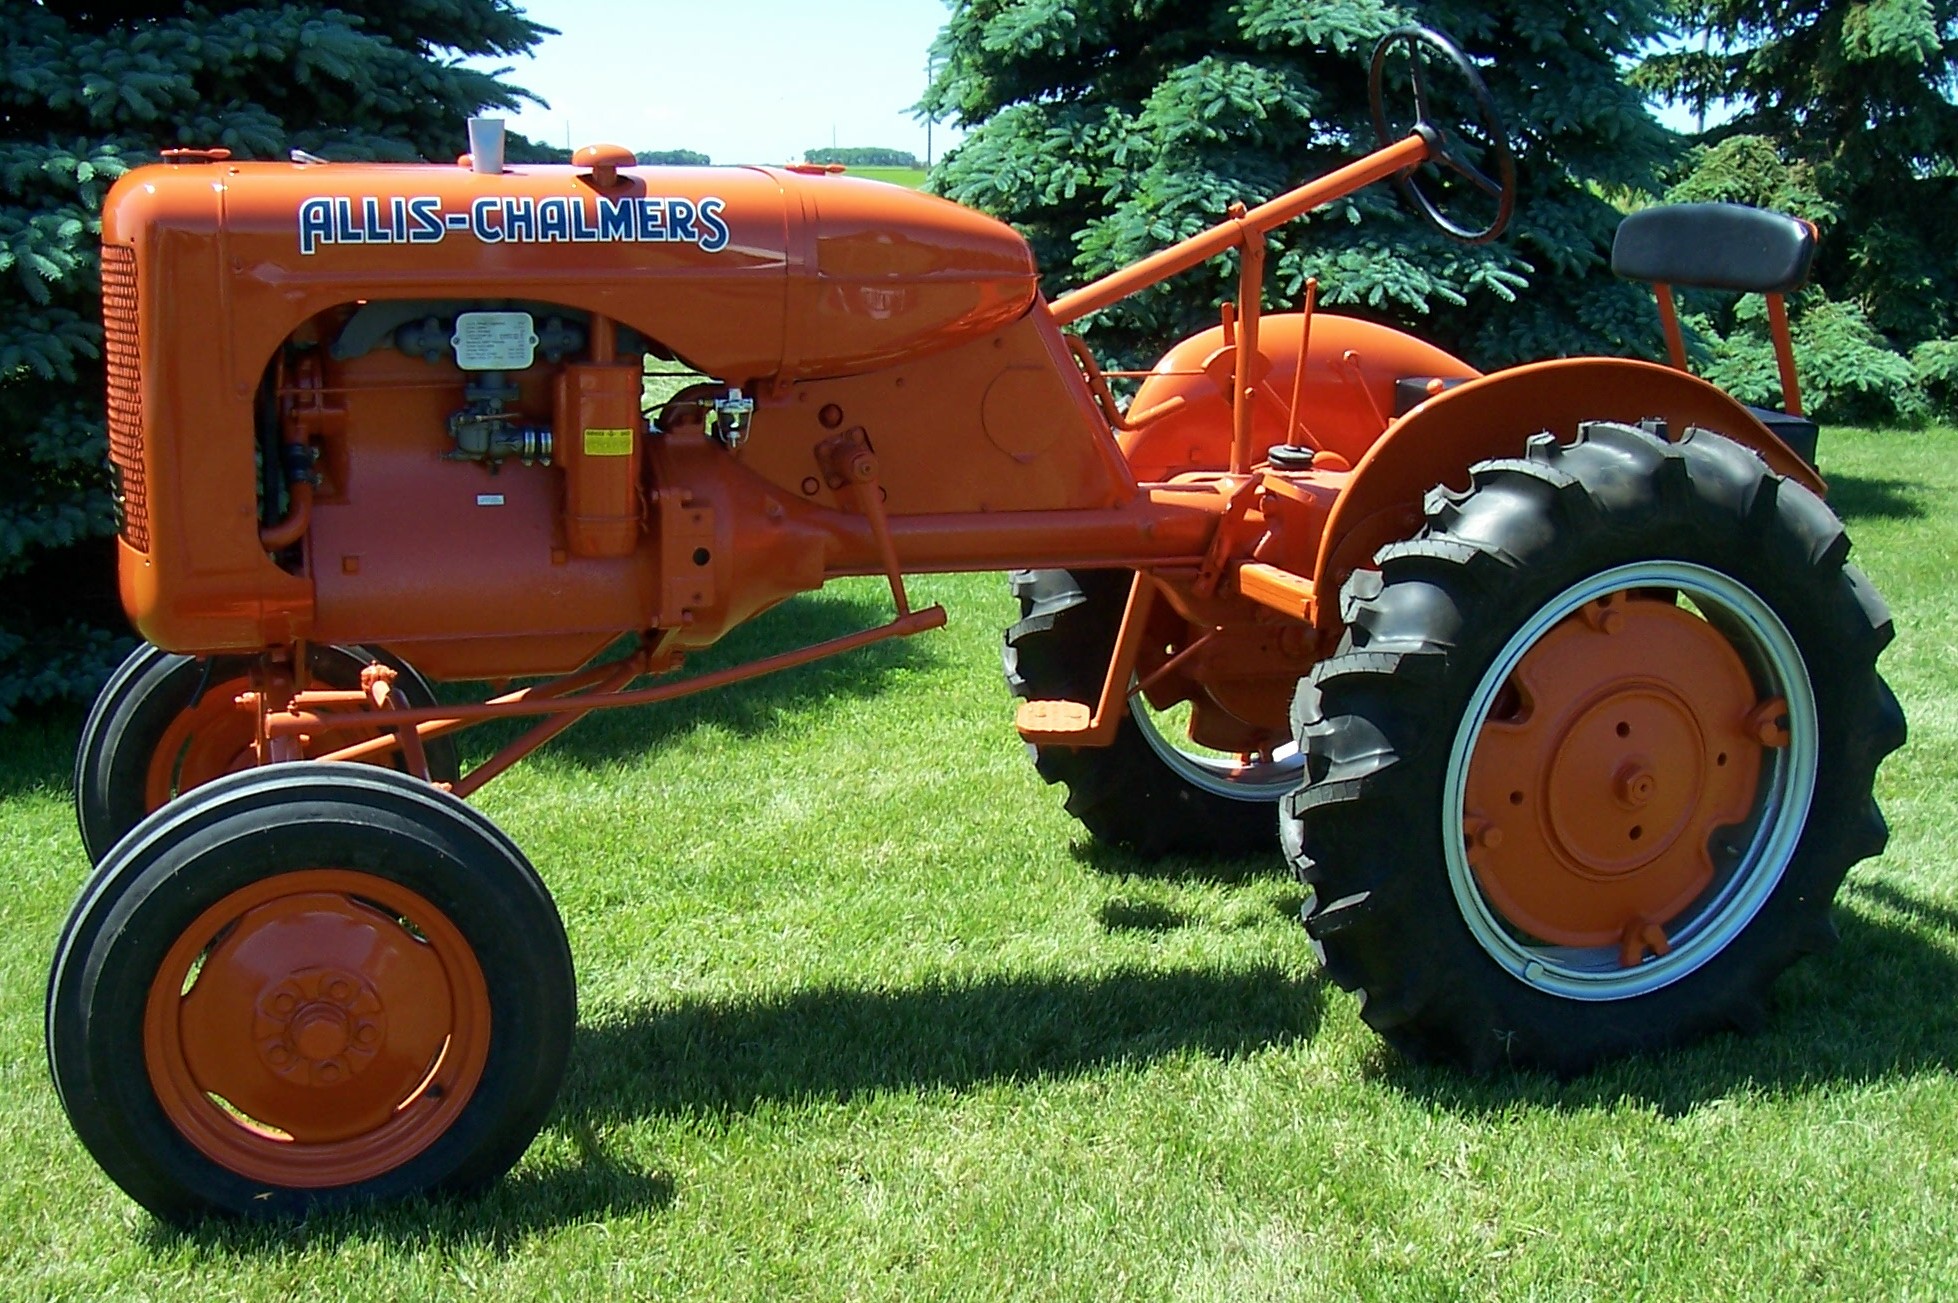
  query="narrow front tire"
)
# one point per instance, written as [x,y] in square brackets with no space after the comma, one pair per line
[309,985]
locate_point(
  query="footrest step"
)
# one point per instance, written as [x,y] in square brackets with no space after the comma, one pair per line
[1059,722]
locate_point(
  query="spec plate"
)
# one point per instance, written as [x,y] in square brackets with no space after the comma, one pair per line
[608,443]
[494,341]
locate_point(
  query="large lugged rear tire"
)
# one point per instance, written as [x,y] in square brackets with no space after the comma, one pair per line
[309,985]
[1145,791]
[1594,755]
[165,723]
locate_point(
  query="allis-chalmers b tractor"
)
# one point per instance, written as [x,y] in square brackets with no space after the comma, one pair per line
[1553,683]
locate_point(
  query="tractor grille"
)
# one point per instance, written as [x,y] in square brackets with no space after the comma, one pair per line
[125,395]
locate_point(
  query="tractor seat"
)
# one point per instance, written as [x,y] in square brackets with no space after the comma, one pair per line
[1716,247]
[1726,247]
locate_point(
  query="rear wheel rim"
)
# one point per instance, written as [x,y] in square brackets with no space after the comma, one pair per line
[1604,827]
[317,1029]
[1261,778]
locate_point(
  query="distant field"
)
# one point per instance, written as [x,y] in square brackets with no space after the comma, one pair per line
[911,178]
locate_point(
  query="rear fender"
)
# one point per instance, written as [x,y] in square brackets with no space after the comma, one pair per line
[1345,403]
[1437,442]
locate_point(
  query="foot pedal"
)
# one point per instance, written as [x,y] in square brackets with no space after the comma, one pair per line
[1062,723]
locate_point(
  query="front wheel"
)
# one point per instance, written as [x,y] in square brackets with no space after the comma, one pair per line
[309,985]
[166,723]
[1595,754]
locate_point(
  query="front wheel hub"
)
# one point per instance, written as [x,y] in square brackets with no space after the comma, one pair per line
[317,1028]
[320,1026]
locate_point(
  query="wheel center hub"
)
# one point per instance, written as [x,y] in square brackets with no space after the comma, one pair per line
[1624,780]
[319,1026]
[320,1032]
[1624,739]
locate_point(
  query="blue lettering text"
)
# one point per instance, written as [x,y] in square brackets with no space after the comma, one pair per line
[480,214]
[616,219]
[680,220]
[315,224]
[344,230]
[373,223]
[717,234]
[554,221]
[520,221]
[426,210]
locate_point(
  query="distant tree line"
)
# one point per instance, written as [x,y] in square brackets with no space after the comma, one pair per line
[522,149]
[863,157]
[673,158]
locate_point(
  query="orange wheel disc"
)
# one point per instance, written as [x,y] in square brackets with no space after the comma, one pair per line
[1623,747]
[166,724]
[1633,780]
[317,1028]
[206,740]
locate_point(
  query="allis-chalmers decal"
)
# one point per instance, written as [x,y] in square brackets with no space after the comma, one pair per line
[511,219]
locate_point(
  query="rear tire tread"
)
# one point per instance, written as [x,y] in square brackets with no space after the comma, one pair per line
[1366,718]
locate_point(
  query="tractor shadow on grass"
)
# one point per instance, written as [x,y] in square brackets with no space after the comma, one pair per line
[1114,862]
[503,1218]
[1862,497]
[717,1059]
[1877,1007]
[745,709]
[838,1044]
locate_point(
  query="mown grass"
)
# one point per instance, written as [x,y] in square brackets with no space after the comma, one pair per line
[864,1015]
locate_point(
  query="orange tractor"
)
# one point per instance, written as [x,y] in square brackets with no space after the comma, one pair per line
[1553,684]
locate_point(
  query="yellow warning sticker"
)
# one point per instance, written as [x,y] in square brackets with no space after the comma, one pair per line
[608,443]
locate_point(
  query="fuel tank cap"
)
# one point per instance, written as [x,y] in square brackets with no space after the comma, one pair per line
[604,162]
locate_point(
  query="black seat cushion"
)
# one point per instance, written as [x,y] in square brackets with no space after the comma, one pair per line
[1715,246]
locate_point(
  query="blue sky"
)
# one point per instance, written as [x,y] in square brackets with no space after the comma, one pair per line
[745,81]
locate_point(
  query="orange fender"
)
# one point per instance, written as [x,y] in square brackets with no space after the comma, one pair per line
[1437,442]
[1344,405]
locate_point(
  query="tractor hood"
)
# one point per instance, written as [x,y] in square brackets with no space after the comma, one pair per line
[745,273]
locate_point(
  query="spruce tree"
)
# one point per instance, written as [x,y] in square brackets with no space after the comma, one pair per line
[1859,95]
[88,90]
[1105,129]
[1849,371]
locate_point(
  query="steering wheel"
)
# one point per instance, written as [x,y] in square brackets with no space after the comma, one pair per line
[1444,149]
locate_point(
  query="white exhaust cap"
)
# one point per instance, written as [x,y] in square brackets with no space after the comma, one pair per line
[486,145]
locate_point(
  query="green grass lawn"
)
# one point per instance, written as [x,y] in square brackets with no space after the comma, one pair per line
[864,1016]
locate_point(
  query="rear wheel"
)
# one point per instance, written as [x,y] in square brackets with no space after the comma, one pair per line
[1563,766]
[166,723]
[1153,790]
[309,984]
